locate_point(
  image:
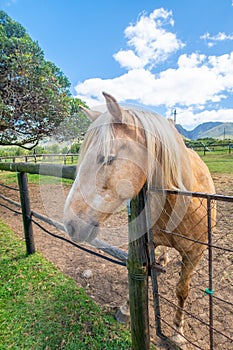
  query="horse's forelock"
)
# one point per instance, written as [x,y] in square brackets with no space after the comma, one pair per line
[99,137]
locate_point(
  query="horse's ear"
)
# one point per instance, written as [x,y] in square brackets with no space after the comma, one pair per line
[113,107]
[93,115]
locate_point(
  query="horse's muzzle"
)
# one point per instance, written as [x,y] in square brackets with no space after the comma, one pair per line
[80,231]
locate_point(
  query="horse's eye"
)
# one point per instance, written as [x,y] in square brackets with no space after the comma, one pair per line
[110,160]
[100,159]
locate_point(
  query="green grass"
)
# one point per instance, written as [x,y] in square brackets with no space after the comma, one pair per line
[40,308]
[10,178]
[222,164]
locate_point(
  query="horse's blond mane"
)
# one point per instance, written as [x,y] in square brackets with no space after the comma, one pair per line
[163,142]
[165,151]
[99,137]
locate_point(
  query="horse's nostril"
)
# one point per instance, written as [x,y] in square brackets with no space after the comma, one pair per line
[95,223]
[70,228]
[81,231]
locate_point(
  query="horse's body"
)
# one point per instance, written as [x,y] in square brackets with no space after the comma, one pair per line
[123,149]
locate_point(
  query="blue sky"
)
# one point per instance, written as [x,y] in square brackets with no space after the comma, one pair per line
[161,54]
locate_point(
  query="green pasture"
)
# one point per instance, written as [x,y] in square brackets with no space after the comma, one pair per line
[219,163]
[40,308]
[10,178]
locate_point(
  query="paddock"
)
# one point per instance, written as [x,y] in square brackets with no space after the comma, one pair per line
[108,283]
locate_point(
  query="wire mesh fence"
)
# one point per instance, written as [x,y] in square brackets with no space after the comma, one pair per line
[208,314]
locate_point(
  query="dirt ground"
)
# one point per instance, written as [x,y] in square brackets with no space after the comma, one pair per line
[106,283]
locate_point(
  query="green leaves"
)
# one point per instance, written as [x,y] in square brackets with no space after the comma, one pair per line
[75,126]
[34,93]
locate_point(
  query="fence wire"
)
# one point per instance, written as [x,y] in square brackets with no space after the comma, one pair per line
[9,187]
[197,323]
[77,245]
[59,226]
[14,211]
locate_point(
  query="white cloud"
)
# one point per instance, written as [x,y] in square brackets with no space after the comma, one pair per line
[149,41]
[196,82]
[190,119]
[212,40]
[128,59]
[191,61]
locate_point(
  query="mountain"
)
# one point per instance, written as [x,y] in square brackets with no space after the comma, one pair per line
[223,131]
[183,131]
[216,130]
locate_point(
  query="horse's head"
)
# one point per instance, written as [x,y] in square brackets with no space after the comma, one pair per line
[111,168]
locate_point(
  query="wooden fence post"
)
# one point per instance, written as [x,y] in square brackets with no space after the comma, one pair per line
[137,265]
[26,212]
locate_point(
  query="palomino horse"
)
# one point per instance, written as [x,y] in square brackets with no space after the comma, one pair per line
[123,149]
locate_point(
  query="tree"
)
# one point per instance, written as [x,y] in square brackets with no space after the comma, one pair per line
[34,93]
[75,126]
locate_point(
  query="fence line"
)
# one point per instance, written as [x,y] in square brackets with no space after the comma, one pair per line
[221,147]
[215,148]
[55,170]
[14,211]
[10,201]
[97,243]
[10,187]
[41,157]
[194,194]
[46,170]
[89,251]
[118,254]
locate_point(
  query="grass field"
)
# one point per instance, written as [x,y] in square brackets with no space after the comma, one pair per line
[8,178]
[219,163]
[40,308]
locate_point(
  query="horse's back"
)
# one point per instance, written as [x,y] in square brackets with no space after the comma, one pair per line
[201,177]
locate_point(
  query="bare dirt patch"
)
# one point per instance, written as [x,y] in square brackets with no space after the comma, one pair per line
[107,283]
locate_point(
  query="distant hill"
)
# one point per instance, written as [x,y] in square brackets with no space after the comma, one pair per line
[210,129]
